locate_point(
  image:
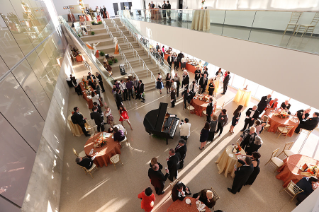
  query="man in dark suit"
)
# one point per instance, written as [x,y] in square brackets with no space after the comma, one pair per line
[251,115]
[170,60]
[179,191]
[179,57]
[77,118]
[172,163]
[99,109]
[168,6]
[209,109]
[203,83]
[263,103]
[157,178]
[306,184]
[90,78]
[85,162]
[225,82]
[100,81]
[181,150]
[197,74]
[186,97]
[241,175]
[185,80]
[98,119]
[309,124]
[118,99]
[303,114]
[141,91]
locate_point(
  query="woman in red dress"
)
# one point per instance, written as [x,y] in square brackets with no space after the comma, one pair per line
[148,199]
[124,116]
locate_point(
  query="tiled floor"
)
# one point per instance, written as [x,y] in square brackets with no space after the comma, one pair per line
[116,190]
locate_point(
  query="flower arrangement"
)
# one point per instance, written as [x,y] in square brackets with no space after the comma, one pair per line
[236,149]
[312,170]
[100,141]
[283,115]
[203,1]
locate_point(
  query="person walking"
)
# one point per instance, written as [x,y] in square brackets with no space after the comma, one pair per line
[236,117]
[124,116]
[204,136]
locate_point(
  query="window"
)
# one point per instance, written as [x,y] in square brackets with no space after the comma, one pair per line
[238,82]
[281,98]
[262,91]
[253,87]
[296,105]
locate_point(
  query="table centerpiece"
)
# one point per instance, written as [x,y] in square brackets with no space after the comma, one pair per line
[282,115]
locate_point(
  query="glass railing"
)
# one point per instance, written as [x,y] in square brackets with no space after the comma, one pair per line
[291,30]
[88,52]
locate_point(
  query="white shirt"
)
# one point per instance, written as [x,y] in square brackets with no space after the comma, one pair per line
[120,127]
[185,129]
[122,86]
[183,60]
[95,98]
[107,114]
[252,113]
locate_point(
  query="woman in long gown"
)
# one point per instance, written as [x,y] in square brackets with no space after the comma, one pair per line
[168,83]
[124,116]
[159,83]
[219,76]
[236,117]
[255,160]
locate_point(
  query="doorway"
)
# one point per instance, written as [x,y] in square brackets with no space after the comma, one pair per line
[116,8]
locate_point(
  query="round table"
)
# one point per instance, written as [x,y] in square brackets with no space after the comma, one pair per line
[105,152]
[181,206]
[291,168]
[200,105]
[242,97]
[275,122]
[227,161]
[201,20]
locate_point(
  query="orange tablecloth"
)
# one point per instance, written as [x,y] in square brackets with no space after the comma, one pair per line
[181,206]
[89,101]
[79,58]
[290,170]
[201,105]
[104,153]
[189,67]
[275,122]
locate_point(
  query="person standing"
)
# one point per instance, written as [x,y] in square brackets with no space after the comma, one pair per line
[204,136]
[185,129]
[109,116]
[123,89]
[154,161]
[222,121]
[197,74]
[163,12]
[159,83]
[250,141]
[157,178]
[226,82]
[168,83]
[168,7]
[211,87]
[209,109]
[193,88]
[178,83]
[78,119]
[118,99]
[158,46]
[172,163]
[129,86]
[176,63]
[255,161]
[202,84]
[185,81]
[181,150]
[170,61]
[90,78]
[262,105]
[241,175]
[141,91]
[273,104]
[124,116]
[173,98]
[98,119]
[183,62]
[236,117]
[251,115]
[186,97]
[148,199]
[212,131]
[99,77]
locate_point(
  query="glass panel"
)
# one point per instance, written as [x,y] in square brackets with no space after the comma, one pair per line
[3,67]
[296,105]
[7,206]
[262,91]
[252,86]
[238,82]
[17,160]
[281,98]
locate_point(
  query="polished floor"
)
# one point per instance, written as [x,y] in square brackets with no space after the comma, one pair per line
[116,190]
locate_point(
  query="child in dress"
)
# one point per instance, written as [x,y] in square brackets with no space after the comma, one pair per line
[124,116]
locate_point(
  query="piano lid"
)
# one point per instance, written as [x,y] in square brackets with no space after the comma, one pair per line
[154,119]
[161,116]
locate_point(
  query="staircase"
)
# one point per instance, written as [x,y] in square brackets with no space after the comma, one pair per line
[128,48]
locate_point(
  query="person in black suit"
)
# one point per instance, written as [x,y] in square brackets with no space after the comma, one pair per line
[306,184]
[202,84]
[85,162]
[77,118]
[225,82]
[186,96]
[209,109]
[168,6]
[181,150]
[118,99]
[170,60]
[91,79]
[100,81]
[172,163]
[99,109]
[179,57]
[309,124]
[263,103]
[179,191]
[157,178]
[251,115]
[197,74]
[98,119]
[241,175]
[185,80]
[141,91]
[303,114]
[152,5]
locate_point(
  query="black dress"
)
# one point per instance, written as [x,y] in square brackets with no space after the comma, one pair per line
[253,175]
[159,84]
[235,120]
[204,135]
[168,82]
[211,88]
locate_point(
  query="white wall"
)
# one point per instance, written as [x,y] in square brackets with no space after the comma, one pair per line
[289,72]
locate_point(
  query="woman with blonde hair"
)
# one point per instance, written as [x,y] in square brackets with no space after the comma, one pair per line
[206,196]
[154,161]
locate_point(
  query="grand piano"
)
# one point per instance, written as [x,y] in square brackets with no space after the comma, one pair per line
[159,122]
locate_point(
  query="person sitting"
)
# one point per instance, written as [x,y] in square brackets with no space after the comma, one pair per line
[285,106]
[118,134]
[206,196]
[148,199]
[179,191]
[308,185]
[303,114]
[309,124]
[119,126]
[85,162]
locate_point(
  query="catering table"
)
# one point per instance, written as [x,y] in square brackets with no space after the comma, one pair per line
[201,20]
[242,97]
[105,152]
[79,58]
[89,101]
[76,129]
[200,105]
[189,67]
[182,206]
[290,170]
[227,160]
[275,122]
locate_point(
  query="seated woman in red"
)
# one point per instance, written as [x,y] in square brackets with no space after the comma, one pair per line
[148,199]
